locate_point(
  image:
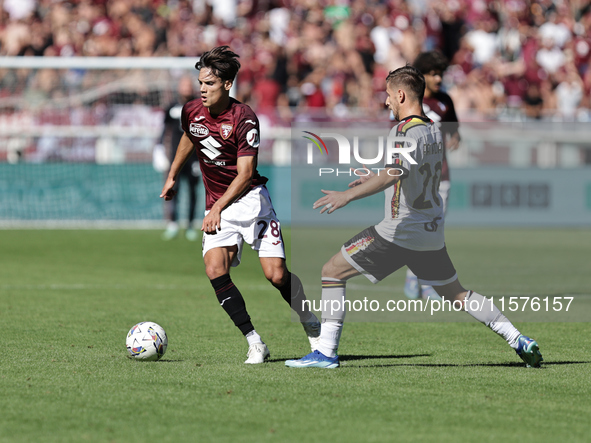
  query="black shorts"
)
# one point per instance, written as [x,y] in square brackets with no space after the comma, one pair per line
[377,258]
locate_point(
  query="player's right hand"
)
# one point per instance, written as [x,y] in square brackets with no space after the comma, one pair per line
[168,191]
[332,201]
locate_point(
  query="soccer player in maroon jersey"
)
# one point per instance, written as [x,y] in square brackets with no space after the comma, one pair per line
[225,135]
[439,107]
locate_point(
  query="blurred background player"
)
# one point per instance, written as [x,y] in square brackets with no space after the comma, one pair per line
[225,135]
[439,107]
[190,172]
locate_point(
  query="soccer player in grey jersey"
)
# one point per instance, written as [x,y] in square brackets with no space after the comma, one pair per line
[410,234]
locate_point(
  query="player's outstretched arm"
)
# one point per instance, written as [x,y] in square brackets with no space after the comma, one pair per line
[245,165]
[364,175]
[334,200]
[183,152]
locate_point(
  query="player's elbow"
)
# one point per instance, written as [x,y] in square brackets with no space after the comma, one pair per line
[391,180]
[394,174]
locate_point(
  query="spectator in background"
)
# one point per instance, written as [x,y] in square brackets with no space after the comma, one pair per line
[483,41]
[19,9]
[306,38]
[569,93]
[265,93]
[550,57]
[533,103]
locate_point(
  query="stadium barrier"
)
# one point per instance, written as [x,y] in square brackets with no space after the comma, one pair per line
[77,134]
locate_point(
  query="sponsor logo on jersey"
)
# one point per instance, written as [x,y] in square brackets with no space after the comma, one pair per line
[226,130]
[199,118]
[198,130]
[211,146]
[213,162]
[252,138]
[432,226]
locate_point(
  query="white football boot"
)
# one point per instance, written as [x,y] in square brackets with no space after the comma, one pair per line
[257,353]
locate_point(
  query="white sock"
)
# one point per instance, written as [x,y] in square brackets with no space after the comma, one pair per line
[409,273]
[333,315]
[483,310]
[330,336]
[252,337]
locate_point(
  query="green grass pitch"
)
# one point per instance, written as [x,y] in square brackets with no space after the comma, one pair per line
[68,298]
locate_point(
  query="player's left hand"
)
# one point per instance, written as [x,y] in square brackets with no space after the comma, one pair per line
[453,142]
[332,201]
[211,222]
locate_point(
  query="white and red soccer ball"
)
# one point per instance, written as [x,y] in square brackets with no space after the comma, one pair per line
[146,341]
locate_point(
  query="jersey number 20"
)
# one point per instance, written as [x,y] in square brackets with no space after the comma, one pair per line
[421,202]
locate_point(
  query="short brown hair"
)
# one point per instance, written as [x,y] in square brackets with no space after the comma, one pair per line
[410,78]
[222,62]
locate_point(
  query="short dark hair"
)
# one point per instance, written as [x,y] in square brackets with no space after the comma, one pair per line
[431,61]
[222,62]
[410,78]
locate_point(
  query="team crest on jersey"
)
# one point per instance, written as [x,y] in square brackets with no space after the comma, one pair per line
[198,130]
[226,130]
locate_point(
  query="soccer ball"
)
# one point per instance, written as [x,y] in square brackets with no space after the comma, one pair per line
[146,341]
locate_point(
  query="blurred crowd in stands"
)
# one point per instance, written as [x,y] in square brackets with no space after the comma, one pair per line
[521,59]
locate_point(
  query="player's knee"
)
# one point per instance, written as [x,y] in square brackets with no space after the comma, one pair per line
[214,271]
[452,291]
[277,276]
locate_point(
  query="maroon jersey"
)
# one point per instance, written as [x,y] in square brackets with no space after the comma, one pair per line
[440,108]
[219,142]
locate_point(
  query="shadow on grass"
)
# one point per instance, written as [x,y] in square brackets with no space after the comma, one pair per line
[345,357]
[468,365]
